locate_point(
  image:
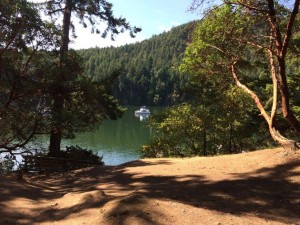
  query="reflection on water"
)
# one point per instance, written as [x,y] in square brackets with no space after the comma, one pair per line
[118,141]
[142,117]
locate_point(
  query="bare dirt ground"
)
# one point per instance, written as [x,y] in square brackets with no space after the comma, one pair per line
[261,187]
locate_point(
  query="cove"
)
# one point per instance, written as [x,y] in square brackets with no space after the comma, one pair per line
[118,141]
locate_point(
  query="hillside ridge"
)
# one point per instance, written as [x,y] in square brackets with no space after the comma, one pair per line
[148,70]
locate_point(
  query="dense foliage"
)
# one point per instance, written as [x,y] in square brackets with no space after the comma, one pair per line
[220,119]
[238,59]
[249,44]
[39,92]
[237,62]
[149,70]
[78,153]
[94,13]
[24,66]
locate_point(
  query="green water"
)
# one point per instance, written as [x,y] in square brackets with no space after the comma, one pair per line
[118,141]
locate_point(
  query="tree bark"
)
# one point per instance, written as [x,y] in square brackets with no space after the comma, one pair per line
[58,105]
[270,119]
[204,140]
[281,47]
[285,98]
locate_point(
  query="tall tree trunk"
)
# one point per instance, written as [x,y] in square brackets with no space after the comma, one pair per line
[58,106]
[281,47]
[285,98]
[204,141]
[230,139]
[56,130]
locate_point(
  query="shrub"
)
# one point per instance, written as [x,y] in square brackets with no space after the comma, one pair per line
[78,153]
[7,163]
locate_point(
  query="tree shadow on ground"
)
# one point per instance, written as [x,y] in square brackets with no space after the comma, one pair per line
[54,186]
[268,193]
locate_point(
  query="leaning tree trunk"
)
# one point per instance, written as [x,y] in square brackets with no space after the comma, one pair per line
[58,106]
[275,134]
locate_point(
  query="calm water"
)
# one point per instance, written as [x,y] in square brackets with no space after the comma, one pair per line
[118,141]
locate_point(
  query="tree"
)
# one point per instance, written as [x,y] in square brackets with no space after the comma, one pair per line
[218,119]
[244,39]
[94,12]
[24,39]
[179,133]
[149,75]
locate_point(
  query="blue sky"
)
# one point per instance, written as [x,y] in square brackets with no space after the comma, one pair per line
[153,16]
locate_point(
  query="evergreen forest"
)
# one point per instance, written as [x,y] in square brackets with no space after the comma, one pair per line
[230,80]
[148,71]
[209,114]
[216,88]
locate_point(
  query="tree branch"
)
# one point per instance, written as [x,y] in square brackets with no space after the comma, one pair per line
[275,87]
[246,6]
[250,92]
[289,29]
[10,149]
[274,26]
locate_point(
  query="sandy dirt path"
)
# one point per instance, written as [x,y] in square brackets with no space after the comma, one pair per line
[261,187]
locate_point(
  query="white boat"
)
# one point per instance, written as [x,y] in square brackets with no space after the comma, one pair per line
[142,111]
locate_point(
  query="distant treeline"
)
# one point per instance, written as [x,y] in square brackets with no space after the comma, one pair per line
[148,71]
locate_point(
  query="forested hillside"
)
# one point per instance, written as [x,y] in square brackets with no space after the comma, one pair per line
[148,70]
